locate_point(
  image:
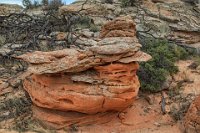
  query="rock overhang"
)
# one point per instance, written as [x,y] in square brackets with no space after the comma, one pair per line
[99,79]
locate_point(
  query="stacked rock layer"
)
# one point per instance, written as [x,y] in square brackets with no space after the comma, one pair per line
[73,86]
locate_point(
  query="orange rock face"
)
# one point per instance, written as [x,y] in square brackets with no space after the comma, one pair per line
[89,86]
[192,118]
[59,119]
[110,87]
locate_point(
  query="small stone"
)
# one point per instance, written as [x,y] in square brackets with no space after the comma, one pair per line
[3,85]
[157,124]
[4,51]
[167,108]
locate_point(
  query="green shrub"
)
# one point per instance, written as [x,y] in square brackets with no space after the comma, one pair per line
[109,1]
[94,28]
[27,3]
[83,22]
[153,73]
[126,3]
[54,4]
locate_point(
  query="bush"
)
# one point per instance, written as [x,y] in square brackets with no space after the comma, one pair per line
[94,28]
[52,4]
[84,22]
[27,4]
[109,1]
[55,4]
[153,73]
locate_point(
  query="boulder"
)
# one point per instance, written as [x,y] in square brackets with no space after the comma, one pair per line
[55,119]
[73,60]
[110,87]
[172,19]
[120,27]
[6,9]
[73,86]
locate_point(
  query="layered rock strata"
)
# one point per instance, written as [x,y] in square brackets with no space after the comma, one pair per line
[73,86]
[119,27]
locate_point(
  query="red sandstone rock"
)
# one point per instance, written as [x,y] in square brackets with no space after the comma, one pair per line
[120,27]
[192,118]
[118,87]
[95,81]
[59,119]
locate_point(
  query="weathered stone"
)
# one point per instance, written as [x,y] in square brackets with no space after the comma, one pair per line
[167,83]
[118,87]
[55,119]
[120,27]
[87,33]
[6,9]
[138,56]
[192,118]
[85,42]
[181,21]
[60,36]
[88,8]
[3,85]
[116,45]
[193,47]
[42,37]
[95,81]
[72,60]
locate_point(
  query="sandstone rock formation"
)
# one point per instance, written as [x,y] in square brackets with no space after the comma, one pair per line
[119,28]
[86,86]
[192,118]
[113,49]
[6,9]
[175,20]
[113,89]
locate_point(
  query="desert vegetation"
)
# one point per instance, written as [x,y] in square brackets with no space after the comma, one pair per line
[92,38]
[155,72]
[52,4]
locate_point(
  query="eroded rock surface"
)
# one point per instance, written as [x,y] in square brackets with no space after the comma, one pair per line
[112,87]
[6,9]
[86,86]
[107,50]
[192,118]
[120,27]
[175,20]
